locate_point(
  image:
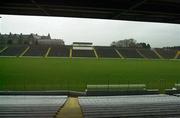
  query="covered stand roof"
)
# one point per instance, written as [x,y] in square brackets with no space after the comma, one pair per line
[167,11]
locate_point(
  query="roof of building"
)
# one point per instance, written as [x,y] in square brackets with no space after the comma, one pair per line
[167,11]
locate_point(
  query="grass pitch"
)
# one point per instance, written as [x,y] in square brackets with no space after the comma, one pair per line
[75,74]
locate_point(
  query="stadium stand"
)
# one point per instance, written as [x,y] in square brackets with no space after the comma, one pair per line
[30,106]
[13,51]
[96,51]
[148,53]
[36,51]
[129,53]
[107,52]
[1,47]
[166,53]
[130,106]
[57,51]
[83,53]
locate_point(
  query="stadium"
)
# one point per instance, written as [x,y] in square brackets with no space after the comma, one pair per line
[44,78]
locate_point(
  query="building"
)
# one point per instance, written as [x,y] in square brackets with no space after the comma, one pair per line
[28,39]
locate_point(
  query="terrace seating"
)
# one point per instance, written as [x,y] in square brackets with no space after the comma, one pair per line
[13,51]
[121,89]
[83,53]
[57,51]
[1,47]
[37,51]
[129,53]
[167,53]
[30,106]
[130,106]
[148,53]
[107,52]
[102,52]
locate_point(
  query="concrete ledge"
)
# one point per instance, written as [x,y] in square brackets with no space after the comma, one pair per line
[59,92]
[131,92]
[172,92]
[77,93]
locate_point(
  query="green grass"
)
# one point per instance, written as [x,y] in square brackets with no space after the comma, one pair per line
[74,74]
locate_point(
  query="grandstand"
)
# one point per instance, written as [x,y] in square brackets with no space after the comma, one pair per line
[129,53]
[166,53]
[30,106]
[36,51]
[148,53]
[83,53]
[91,107]
[1,47]
[59,51]
[130,106]
[87,51]
[106,52]
[82,49]
[13,51]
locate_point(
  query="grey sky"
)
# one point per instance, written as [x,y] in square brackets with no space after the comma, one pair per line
[100,32]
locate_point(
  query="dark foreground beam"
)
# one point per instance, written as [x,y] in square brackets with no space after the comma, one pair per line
[167,11]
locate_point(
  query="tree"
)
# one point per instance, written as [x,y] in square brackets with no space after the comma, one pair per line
[129,43]
[148,46]
[143,45]
[113,44]
[126,43]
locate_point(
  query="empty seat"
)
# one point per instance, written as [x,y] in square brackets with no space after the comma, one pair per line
[36,51]
[129,53]
[30,106]
[57,51]
[1,47]
[13,51]
[167,53]
[130,106]
[148,53]
[83,53]
[107,52]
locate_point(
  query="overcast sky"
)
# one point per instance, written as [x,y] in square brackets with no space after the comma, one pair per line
[100,32]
